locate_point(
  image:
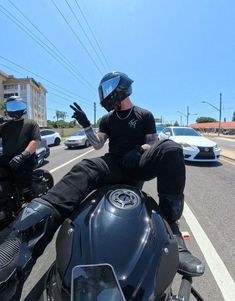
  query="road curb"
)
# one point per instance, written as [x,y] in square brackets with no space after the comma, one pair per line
[229,158]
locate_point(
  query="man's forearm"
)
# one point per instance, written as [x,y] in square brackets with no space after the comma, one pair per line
[32,146]
[96,141]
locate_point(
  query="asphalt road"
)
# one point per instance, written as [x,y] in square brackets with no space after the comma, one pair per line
[208,217]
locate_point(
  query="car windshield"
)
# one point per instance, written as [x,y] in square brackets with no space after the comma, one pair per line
[79,133]
[185,132]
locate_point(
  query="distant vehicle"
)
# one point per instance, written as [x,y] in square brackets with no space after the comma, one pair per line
[78,138]
[195,146]
[159,128]
[42,152]
[52,137]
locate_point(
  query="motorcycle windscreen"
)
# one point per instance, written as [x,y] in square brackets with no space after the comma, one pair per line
[96,282]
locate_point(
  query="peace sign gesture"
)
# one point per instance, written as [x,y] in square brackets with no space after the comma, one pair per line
[80,116]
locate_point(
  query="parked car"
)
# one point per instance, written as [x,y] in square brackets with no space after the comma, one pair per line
[42,152]
[52,137]
[78,138]
[195,146]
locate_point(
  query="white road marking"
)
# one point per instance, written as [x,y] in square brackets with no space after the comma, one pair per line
[70,161]
[222,277]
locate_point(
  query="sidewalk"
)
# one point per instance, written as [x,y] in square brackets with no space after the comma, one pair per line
[227,153]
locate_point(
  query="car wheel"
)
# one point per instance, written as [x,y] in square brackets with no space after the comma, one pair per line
[57,141]
[87,143]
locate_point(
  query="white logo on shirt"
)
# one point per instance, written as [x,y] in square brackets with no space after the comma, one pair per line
[132,123]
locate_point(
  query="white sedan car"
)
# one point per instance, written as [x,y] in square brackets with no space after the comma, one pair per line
[52,137]
[195,146]
[78,138]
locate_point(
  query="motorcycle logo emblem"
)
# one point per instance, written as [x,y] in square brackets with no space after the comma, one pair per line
[27,212]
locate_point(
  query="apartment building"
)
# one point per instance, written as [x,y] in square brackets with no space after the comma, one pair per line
[32,92]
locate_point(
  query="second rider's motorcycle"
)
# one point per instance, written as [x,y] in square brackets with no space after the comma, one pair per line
[12,200]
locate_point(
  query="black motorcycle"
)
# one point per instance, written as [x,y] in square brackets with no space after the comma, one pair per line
[12,200]
[115,247]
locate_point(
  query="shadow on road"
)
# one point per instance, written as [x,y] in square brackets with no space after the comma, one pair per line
[204,164]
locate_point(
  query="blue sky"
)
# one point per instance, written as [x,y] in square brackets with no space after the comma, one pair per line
[178,52]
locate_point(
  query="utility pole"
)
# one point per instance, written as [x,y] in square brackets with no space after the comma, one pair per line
[187,114]
[94,113]
[220,111]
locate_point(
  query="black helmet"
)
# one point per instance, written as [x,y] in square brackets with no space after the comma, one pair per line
[15,107]
[114,87]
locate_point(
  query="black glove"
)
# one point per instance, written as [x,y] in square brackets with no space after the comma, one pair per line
[80,116]
[3,120]
[19,159]
[132,158]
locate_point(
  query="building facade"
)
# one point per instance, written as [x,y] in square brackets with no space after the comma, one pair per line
[32,92]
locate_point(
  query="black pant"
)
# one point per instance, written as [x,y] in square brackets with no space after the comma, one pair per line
[22,176]
[163,160]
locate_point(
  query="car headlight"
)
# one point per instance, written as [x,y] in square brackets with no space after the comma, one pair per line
[216,147]
[184,144]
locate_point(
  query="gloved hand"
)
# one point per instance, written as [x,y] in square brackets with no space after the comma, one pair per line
[80,116]
[132,158]
[3,120]
[19,159]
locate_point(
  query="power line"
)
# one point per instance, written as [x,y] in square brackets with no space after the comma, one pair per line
[86,35]
[58,95]
[53,45]
[47,48]
[77,37]
[92,33]
[67,99]
[35,74]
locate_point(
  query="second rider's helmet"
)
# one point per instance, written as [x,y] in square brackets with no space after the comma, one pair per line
[15,107]
[114,87]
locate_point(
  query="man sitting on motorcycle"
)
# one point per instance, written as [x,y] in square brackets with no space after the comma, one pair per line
[135,155]
[20,138]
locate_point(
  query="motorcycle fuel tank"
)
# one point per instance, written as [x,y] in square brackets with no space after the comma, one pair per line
[121,226]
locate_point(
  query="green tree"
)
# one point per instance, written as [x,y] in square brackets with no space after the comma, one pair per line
[60,115]
[205,119]
[60,124]
[233,116]
[176,123]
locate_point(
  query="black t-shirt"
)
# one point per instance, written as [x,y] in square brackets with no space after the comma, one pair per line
[125,133]
[16,135]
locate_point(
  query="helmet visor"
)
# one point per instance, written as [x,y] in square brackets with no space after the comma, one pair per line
[14,105]
[108,87]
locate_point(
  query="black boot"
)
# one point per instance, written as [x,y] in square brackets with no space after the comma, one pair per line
[189,265]
[172,207]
